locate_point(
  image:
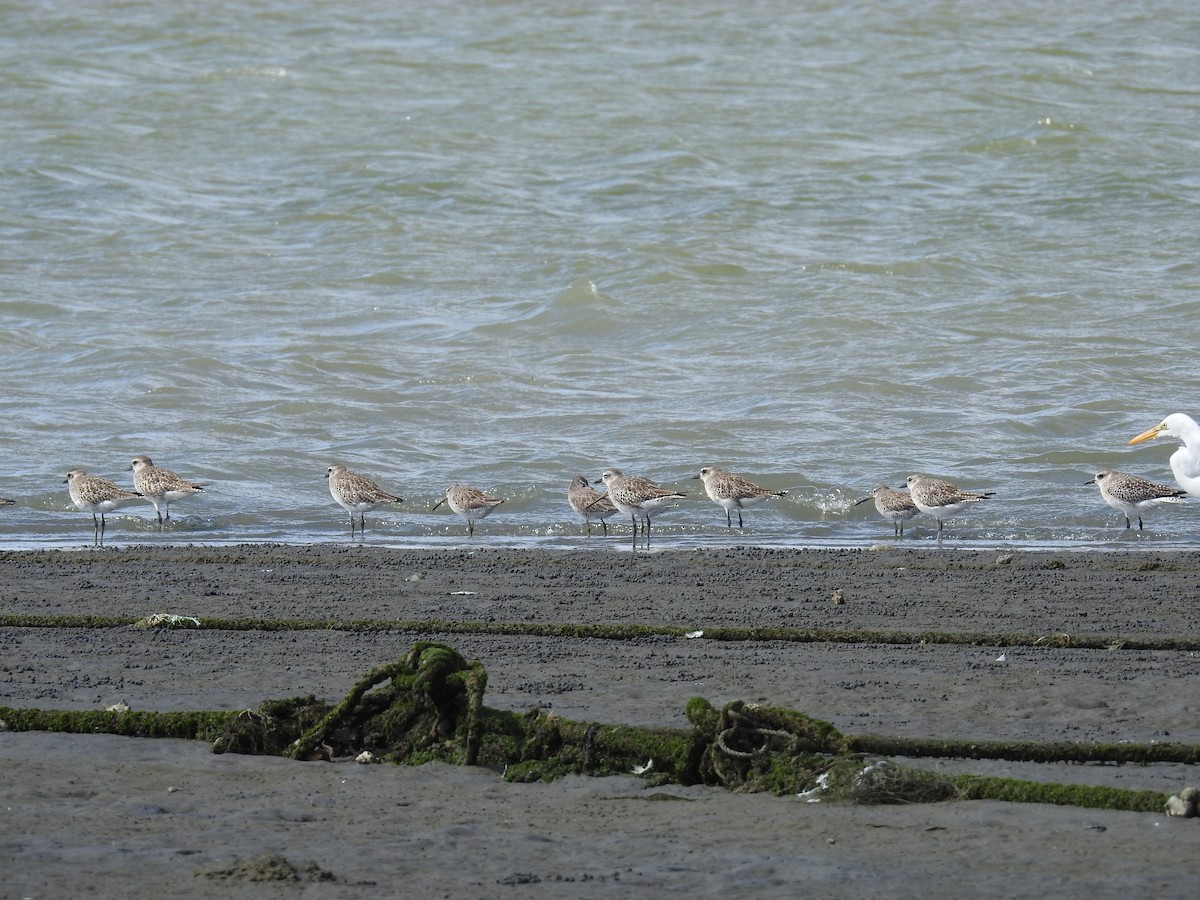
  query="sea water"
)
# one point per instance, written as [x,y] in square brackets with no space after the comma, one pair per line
[824,245]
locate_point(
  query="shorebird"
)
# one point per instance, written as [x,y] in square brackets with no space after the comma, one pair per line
[589,503]
[161,486]
[638,497]
[356,493]
[96,495]
[469,502]
[732,492]
[892,504]
[941,499]
[4,501]
[1185,462]
[1132,494]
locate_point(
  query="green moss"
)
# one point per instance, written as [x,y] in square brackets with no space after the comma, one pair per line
[428,710]
[1025,751]
[429,706]
[625,632]
[271,728]
[975,787]
[186,725]
[36,621]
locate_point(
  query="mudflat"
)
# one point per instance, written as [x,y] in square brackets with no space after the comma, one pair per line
[105,816]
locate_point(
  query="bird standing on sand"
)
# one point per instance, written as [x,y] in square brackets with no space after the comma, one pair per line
[589,503]
[892,504]
[941,499]
[732,492]
[1131,494]
[1185,462]
[356,493]
[161,486]
[638,497]
[96,495]
[469,502]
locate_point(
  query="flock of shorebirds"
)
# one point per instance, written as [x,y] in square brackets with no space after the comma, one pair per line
[1131,494]
[641,499]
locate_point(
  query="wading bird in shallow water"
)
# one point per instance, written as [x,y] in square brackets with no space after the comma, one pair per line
[1131,494]
[941,499]
[732,492]
[4,501]
[96,495]
[161,486]
[356,493]
[892,504]
[589,503]
[469,502]
[638,497]
[1185,462]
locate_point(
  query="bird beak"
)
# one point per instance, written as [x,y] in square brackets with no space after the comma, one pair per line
[1146,435]
[1092,481]
[439,503]
[863,500]
[695,477]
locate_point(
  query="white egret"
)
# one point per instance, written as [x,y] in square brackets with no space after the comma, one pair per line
[1185,462]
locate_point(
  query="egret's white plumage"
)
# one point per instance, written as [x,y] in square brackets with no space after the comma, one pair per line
[1185,462]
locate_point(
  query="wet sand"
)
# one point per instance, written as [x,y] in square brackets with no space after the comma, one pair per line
[170,817]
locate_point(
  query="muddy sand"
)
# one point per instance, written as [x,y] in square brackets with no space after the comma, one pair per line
[104,816]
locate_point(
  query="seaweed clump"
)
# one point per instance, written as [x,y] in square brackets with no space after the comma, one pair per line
[429,706]
[424,706]
[748,747]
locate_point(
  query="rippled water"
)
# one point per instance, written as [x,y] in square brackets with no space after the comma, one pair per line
[825,245]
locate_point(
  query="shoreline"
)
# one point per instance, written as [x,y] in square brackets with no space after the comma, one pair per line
[71,797]
[617,541]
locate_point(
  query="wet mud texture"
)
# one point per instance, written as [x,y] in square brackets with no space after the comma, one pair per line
[95,809]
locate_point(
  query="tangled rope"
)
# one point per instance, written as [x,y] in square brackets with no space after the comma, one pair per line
[751,747]
[431,705]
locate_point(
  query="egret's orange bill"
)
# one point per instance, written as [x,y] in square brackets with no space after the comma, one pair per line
[1146,435]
